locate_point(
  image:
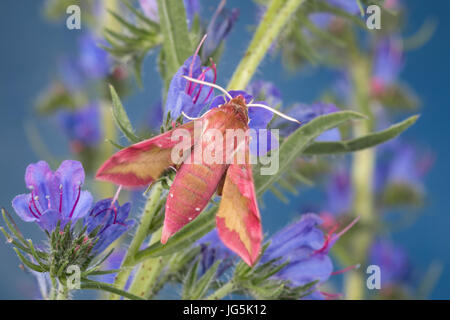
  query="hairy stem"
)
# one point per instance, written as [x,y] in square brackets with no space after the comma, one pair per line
[275,18]
[223,291]
[150,210]
[148,272]
[363,168]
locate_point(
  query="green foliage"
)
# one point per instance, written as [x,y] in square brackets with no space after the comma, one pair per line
[136,40]
[360,143]
[177,46]
[121,118]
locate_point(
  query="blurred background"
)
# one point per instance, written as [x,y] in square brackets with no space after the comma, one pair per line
[33,48]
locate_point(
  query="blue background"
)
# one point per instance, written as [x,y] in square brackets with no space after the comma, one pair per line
[31,47]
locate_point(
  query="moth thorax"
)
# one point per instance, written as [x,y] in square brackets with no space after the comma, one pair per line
[240,107]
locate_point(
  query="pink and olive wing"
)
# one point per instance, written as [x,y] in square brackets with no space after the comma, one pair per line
[238,220]
[143,162]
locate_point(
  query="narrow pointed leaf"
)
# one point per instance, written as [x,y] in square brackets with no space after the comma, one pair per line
[121,117]
[360,143]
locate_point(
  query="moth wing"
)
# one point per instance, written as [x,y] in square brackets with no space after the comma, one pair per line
[238,220]
[142,163]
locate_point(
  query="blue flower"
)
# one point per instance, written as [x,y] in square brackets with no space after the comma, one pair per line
[259,120]
[392,260]
[218,28]
[93,60]
[306,113]
[55,196]
[214,250]
[306,248]
[339,192]
[323,20]
[401,163]
[265,91]
[388,61]
[82,126]
[186,96]
[150,8]
[112,220]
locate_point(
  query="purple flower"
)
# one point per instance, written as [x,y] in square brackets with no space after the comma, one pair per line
[111,219]
[392,260]
[93,60]
[265,91]
[219,27]
[259,120]
[55,196]
[388,61]
[339,193]
[306,248]
[214,250]
[82,126]
[324,19]
[402,164]
[186,96]
[150,8]
[306,113]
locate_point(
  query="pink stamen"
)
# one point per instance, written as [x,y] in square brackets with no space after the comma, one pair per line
[60,198]
[202,77]
[346,228]
[213,66]
[76,201]
[356,266]
[330,296]
[189,84]
[34,203]
[31,210]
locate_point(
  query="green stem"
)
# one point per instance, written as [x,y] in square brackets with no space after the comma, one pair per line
[148,272]
[150,211]
[363,168]
[275,18]
[223,291]
[63,292]
[54,288]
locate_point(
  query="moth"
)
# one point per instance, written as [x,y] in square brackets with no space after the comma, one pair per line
[238,219]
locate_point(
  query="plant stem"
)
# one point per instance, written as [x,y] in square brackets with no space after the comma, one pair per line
[148,272]
[63,292]
[141,233]
[223,291]
[363,168]
[275,18]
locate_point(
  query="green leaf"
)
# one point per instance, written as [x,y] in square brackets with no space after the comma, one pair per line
[190,233]
[94,285]
[294,145]
[190,280]
[201,287]
[121,117]
[176,45]
[360,143]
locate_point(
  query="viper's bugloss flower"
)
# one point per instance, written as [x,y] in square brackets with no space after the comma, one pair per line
[259,120]
[82,126]
[306,113]
[265,91]
[111,219]
[393,262]
[306,248]
[323,20]
[90,63]
[218,28]
[401,163]
[183,95]
[150,8]
[54,196]
[339,192]
[212,250]
[93,59]
[387,63]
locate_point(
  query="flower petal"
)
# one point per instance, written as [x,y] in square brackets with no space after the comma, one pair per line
[21,205]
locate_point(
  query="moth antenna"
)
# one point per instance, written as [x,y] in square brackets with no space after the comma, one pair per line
[209,84]
[257,105]
[186,116]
